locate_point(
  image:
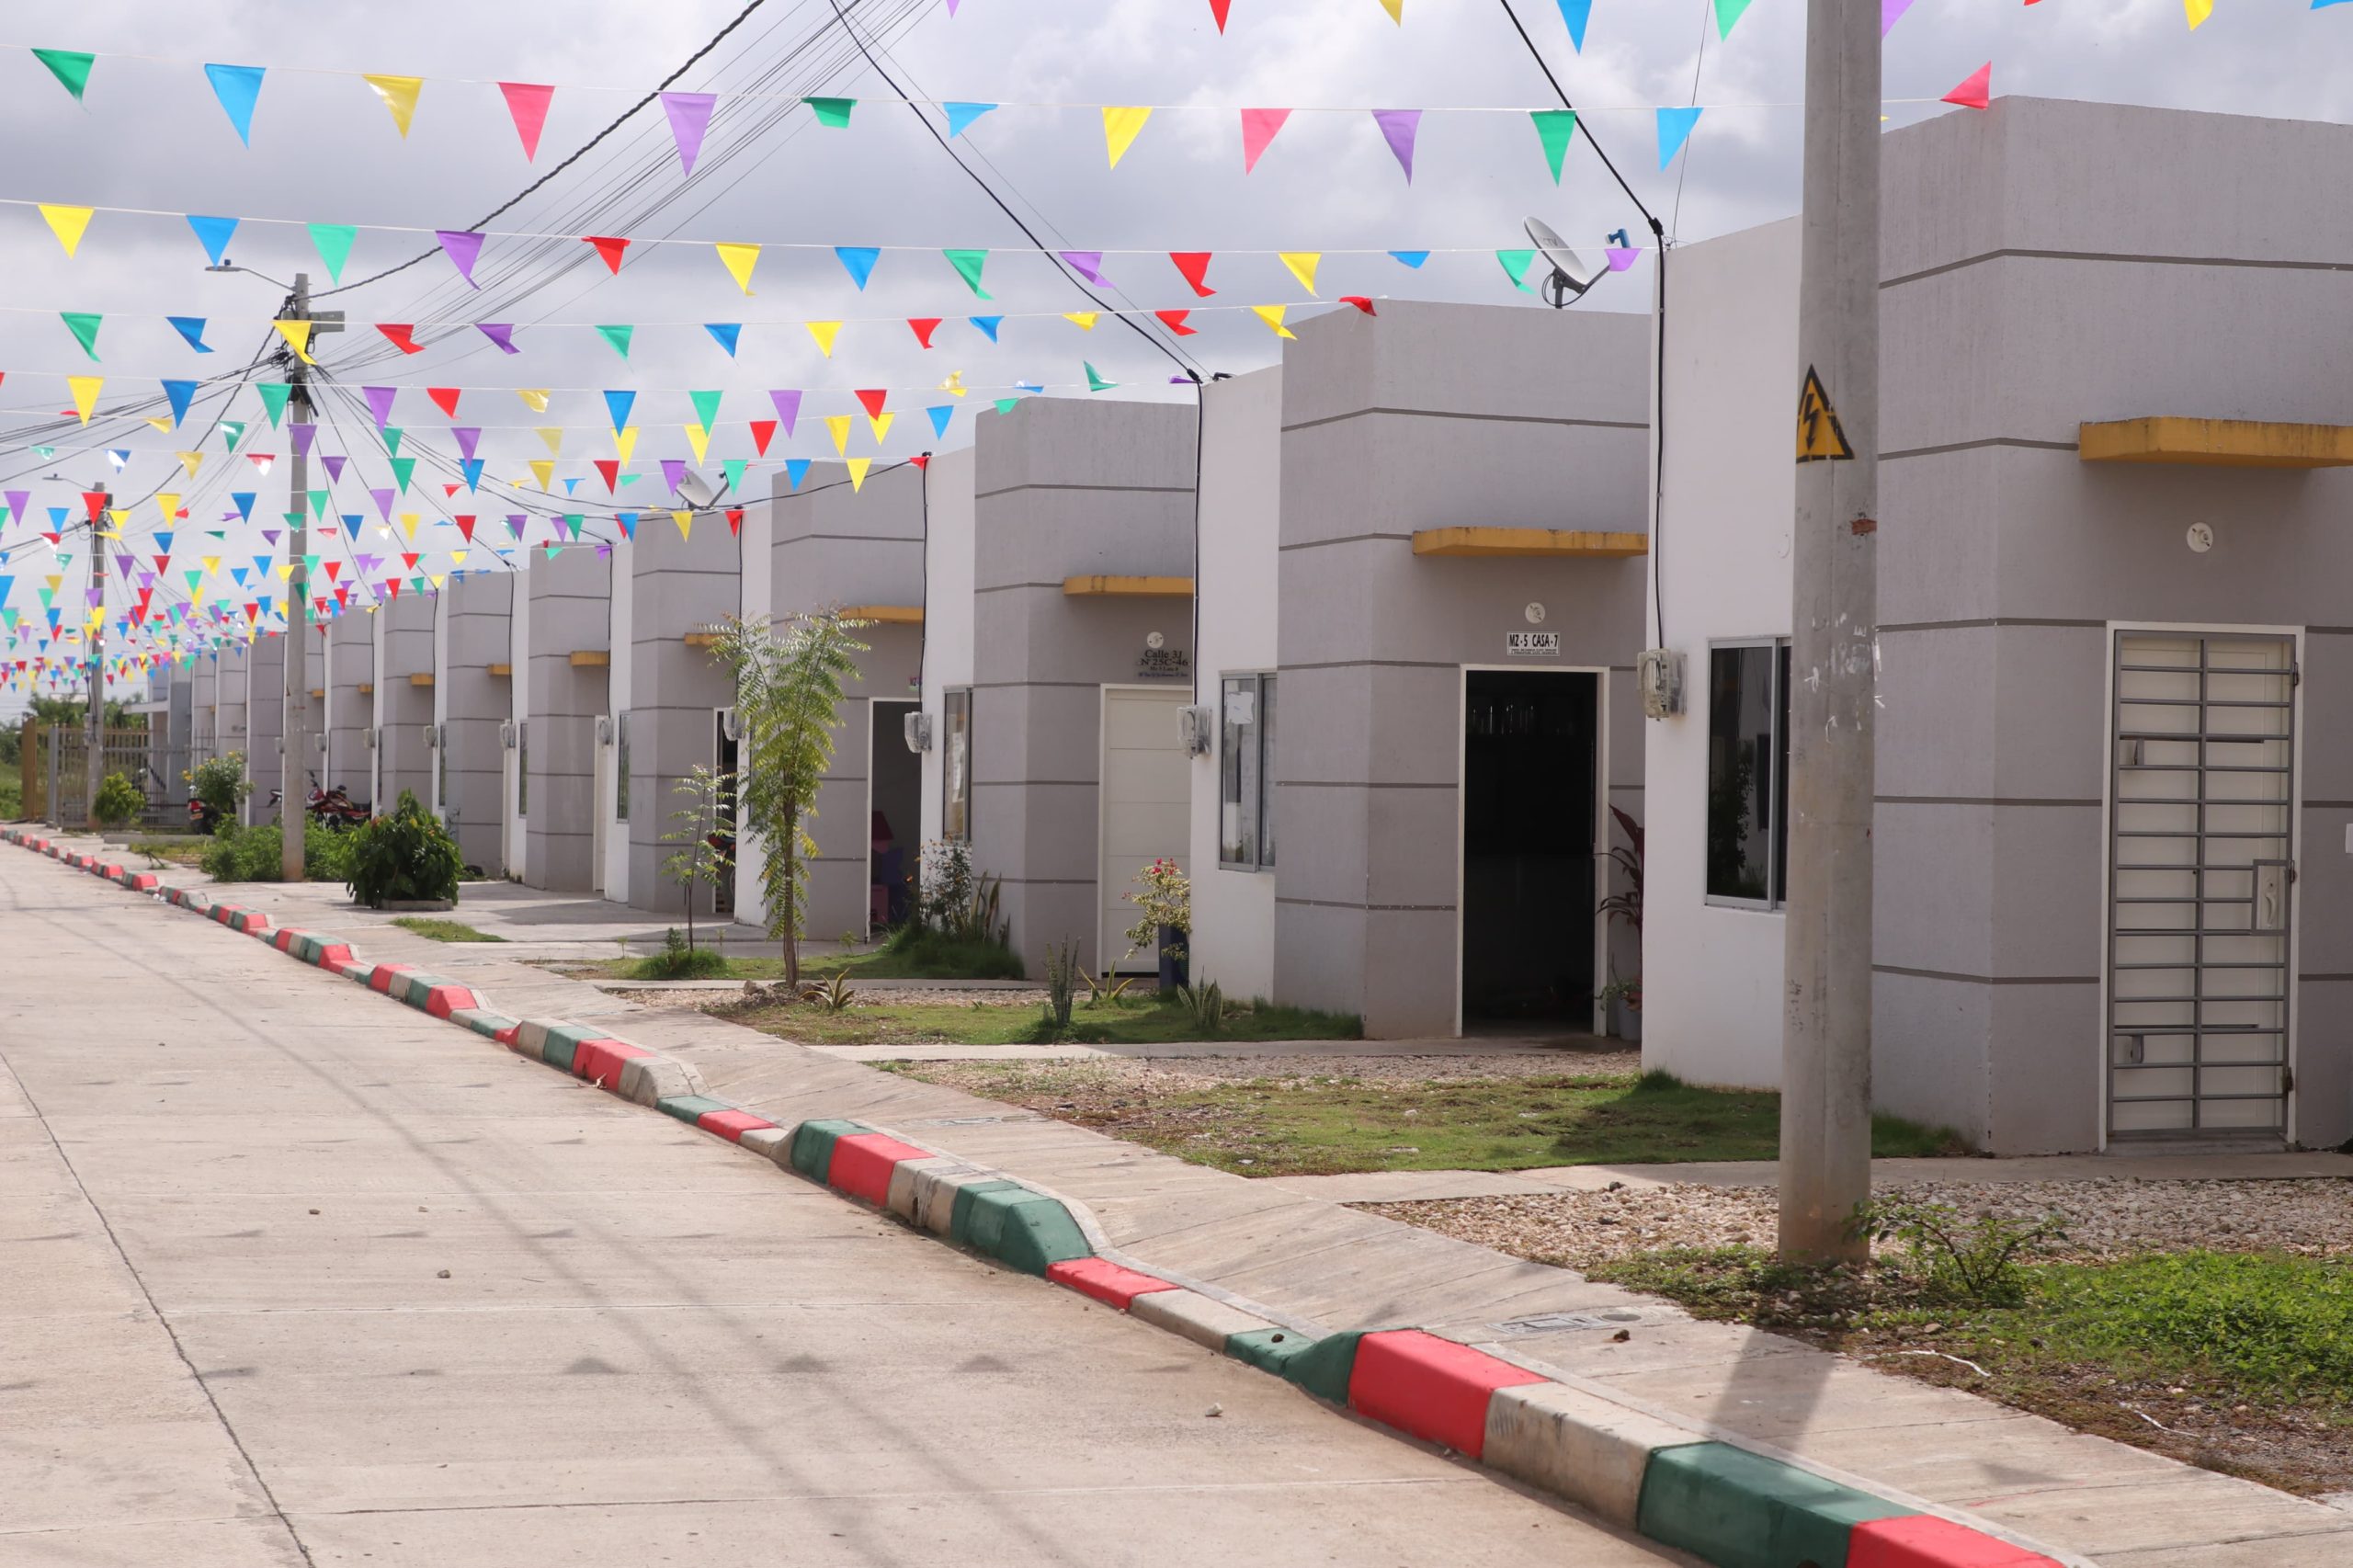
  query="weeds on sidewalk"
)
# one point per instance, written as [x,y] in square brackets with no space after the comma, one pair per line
[444,930]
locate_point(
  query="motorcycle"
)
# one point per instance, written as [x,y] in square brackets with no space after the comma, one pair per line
[202,815]
[331,809]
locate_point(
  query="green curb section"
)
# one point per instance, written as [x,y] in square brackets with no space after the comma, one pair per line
[562,1041]
[1268,1349]
[690,1108]
[1018,1226]
[1736,1509]
[812,1145]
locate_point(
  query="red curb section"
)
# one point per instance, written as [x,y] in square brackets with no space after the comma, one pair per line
[1924,1540]
[863,1162]
[1430,1387]
[444,1000]
[600,1060]
[1108,1282]
[729,1124]
[381,977]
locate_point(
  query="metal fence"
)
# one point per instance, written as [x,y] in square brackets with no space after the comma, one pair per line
[59,775]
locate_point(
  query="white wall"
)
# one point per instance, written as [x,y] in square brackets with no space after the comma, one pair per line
[1712,975]
[1233,912]
[947,609]
[617,837]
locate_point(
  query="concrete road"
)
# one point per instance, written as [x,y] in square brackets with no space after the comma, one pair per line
[293,1275]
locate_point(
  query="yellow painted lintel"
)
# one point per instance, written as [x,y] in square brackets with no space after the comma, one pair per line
[1129,588]
[368,688]
[501,671]
[885,615]
[2218,443]
[590,659]
[703,639]
[1530,543]
[422,678]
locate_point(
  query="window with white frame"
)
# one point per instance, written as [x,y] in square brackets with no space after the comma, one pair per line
[956,766]
[1245,834]
[1748,772]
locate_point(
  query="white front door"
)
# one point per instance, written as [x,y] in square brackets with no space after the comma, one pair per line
[1146,810]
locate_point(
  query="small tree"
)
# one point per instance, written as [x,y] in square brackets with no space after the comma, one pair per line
[706,848]
[788,705]
[118,801]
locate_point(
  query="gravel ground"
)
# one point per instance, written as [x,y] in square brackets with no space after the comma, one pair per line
[1116,1081]
[2107,1218]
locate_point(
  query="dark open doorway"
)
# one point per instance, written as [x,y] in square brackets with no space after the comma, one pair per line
[724,747]
[894,777]
[1530,741]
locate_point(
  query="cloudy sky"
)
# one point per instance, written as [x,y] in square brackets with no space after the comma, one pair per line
[150,136]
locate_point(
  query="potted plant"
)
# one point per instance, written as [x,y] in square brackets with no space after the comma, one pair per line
[1166,917]
[1623,997]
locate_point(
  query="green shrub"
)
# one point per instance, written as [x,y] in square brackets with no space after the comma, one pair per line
[676,960]
[118,801]
[253,854]
[408,857]
[927,952]
[220,782]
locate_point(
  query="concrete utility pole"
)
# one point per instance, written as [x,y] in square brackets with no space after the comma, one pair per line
[293,772]
[1825,1167]
[94,763]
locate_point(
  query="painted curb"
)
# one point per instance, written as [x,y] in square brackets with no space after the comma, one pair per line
[1722,1503]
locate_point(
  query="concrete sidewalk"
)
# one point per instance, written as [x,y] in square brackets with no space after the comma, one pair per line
[1306,1258]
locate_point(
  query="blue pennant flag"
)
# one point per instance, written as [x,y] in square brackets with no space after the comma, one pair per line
[191,328]
[858,261]
[245,500]
[960,115]
[213,234]
[1413,258]
[726,332]
[796,469]
[239,88]
[940,417]
[618,404]
[179,392]
[987,325]
[353,520]
[473,467]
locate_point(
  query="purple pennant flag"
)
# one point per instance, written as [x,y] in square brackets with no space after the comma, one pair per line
[689,118]
[469,436]
[1622,256]
[146,579]
[1087,264]
[515,524]
[673,472]
[383,499]
[501,332]
[93,595]
[123,561]
[303,436]
[379,402]
[334,461]
[464,247]
[604,552]
[269,536]
[788,409]
[1889,12]
[364,563]
[18,501]
[1400,126]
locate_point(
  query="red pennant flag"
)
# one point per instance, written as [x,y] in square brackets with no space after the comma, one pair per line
[252,612]
[1195,266]
[1218,9]
[924,326]
[409,561]
[611,249]
[332,567]
[392,587]
[1977,91]
[1360,302]
[610,470]
[466,527]
[399,333]
[1174,321]
[445,399]
[162,563]
[96,500]
[921,460]
[339,594]
[736,521]
[448,490]
[872,399]
[763,432]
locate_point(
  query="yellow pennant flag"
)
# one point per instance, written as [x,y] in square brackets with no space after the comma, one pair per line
[86,393]
[457,558]
[1302,264]
[740,260]
[954,385]
[408,526]
[121,518]
[2198,10]
[297,337]
[534,398]
[285,570]
[438,578]
[882,422]
[160,422]
[625,443]
[553,435]
[686,522]
[699,440]
[837,425]
[1120,127]
[824,332]
[1397,9]
[1085,319]
[399,93]
[67,224]
[212,563]
[1273,316]
[169,505]
[543,469]
[858,467]
[191,462]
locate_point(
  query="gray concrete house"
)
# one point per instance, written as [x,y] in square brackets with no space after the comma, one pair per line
[2114,895]
[472,704]
[349,722]
[403,710]
[680,584]
[566,737]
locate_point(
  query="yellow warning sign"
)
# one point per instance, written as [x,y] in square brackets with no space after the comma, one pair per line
[1820,438]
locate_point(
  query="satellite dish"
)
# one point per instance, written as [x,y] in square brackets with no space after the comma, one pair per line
[699,492]
[1571,277]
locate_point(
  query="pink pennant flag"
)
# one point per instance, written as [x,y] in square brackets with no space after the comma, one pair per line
[1400,126]
[528,102]
[1087,264]
[469,438]
[379,402]
[464,246]
[1259,127]
[1977,91]
[1622,256]
[788,409]
[689,118]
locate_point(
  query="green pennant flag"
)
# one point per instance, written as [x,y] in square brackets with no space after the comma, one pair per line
[618,337]
[1006,404]
[309,567]
[733,468]
[69,66]
[1555,126]
[706,407]
[969,262]
[318,502]
[1095,382]
[232,432]
[392,434]
[402,469]
[629,479]
[832,111]
[1516,263]
[334,242]
[1727,13]
[84,324]
[273,400]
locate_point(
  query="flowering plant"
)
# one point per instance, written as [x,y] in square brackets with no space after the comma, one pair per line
[1166,900]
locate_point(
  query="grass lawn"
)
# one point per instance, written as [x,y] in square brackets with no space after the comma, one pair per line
[12,792]
[2242,1362]
[444,930]
[1313,1125]
[882,1022]
[175,849]
[924,957]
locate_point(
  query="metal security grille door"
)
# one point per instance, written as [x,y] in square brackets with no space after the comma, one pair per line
[2201,872]
[1146,805]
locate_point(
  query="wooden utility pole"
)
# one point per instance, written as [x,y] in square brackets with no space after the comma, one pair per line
[1825,1170]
